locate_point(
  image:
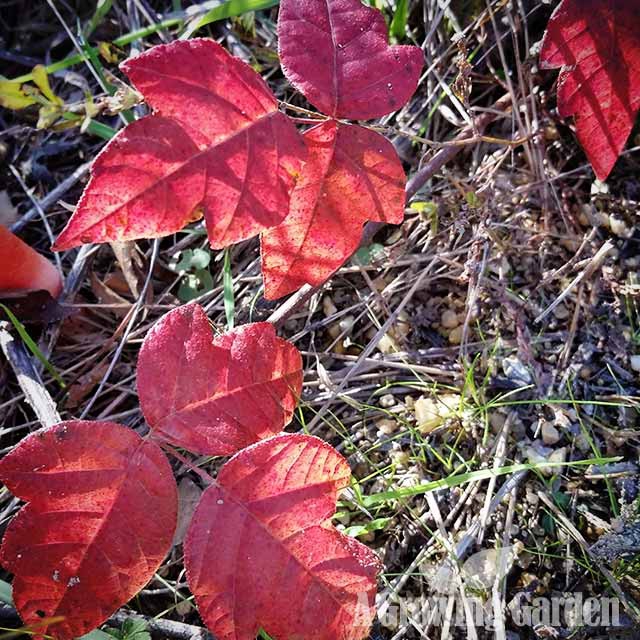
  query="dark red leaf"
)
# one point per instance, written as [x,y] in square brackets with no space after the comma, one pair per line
[597,44]
[216,145]
[216,396]
[24,269]
[261,551]
[336,53]
[100,517]
[352,175]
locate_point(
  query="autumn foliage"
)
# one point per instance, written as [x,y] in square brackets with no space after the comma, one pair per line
[597,45]
[216,145]
[24,269]
[102,501]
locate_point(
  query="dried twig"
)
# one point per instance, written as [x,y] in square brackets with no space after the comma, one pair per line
[594,264]
[51,198]
[28,377]
[419,179]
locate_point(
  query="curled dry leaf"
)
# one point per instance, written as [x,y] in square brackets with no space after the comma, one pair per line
[215,396]
[83,545]
[279,563]
[336,52]
[24,269]
[352,175]
[597,44]
[216,145]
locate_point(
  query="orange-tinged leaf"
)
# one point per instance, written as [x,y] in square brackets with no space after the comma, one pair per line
[597,44]
[336,52]
[352,175]
[23,268]
[216,395]
[261,551]
[216,145]
[101,514]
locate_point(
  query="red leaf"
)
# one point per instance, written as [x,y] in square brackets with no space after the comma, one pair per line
[216,145]
[336,53]
[24,269]
[352,175]
[261,551]
[597,44]
[216,396]
[83,545]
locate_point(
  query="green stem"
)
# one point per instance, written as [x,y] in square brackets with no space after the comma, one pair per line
[122,41]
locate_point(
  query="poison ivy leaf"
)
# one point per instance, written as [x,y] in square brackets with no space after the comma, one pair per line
[24,269]
[336,52]
[216,145]
[84,544]
[352,175]
[279,563]
[597,44]
[215,396]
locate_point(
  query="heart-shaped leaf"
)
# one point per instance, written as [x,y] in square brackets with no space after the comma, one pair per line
[261,551]
[597,44]
[336,52]
[216,145]
[215,396]
[101,515]
[24,269]
[352,175]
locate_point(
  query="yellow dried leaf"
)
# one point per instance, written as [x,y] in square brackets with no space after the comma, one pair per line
[41,78]
[12,96]
[108,52]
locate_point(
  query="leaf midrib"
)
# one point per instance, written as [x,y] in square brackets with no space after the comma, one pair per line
[180,167]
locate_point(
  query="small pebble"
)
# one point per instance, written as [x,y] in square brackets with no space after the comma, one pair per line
[427,415]
[387,344]
[550,435]
[449,319]
[619,227]
[328,307]
[634,361]
[387,426]
[387,401]
[561,312]
[455,337]
[431,413]
[346,324]
[400,458]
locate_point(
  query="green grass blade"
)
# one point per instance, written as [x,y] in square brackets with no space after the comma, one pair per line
[481,474]
[102,8]
[227,285]
[94,127]
[229,9]
[32,346]
[122,41]
[398,27]
[101,130]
